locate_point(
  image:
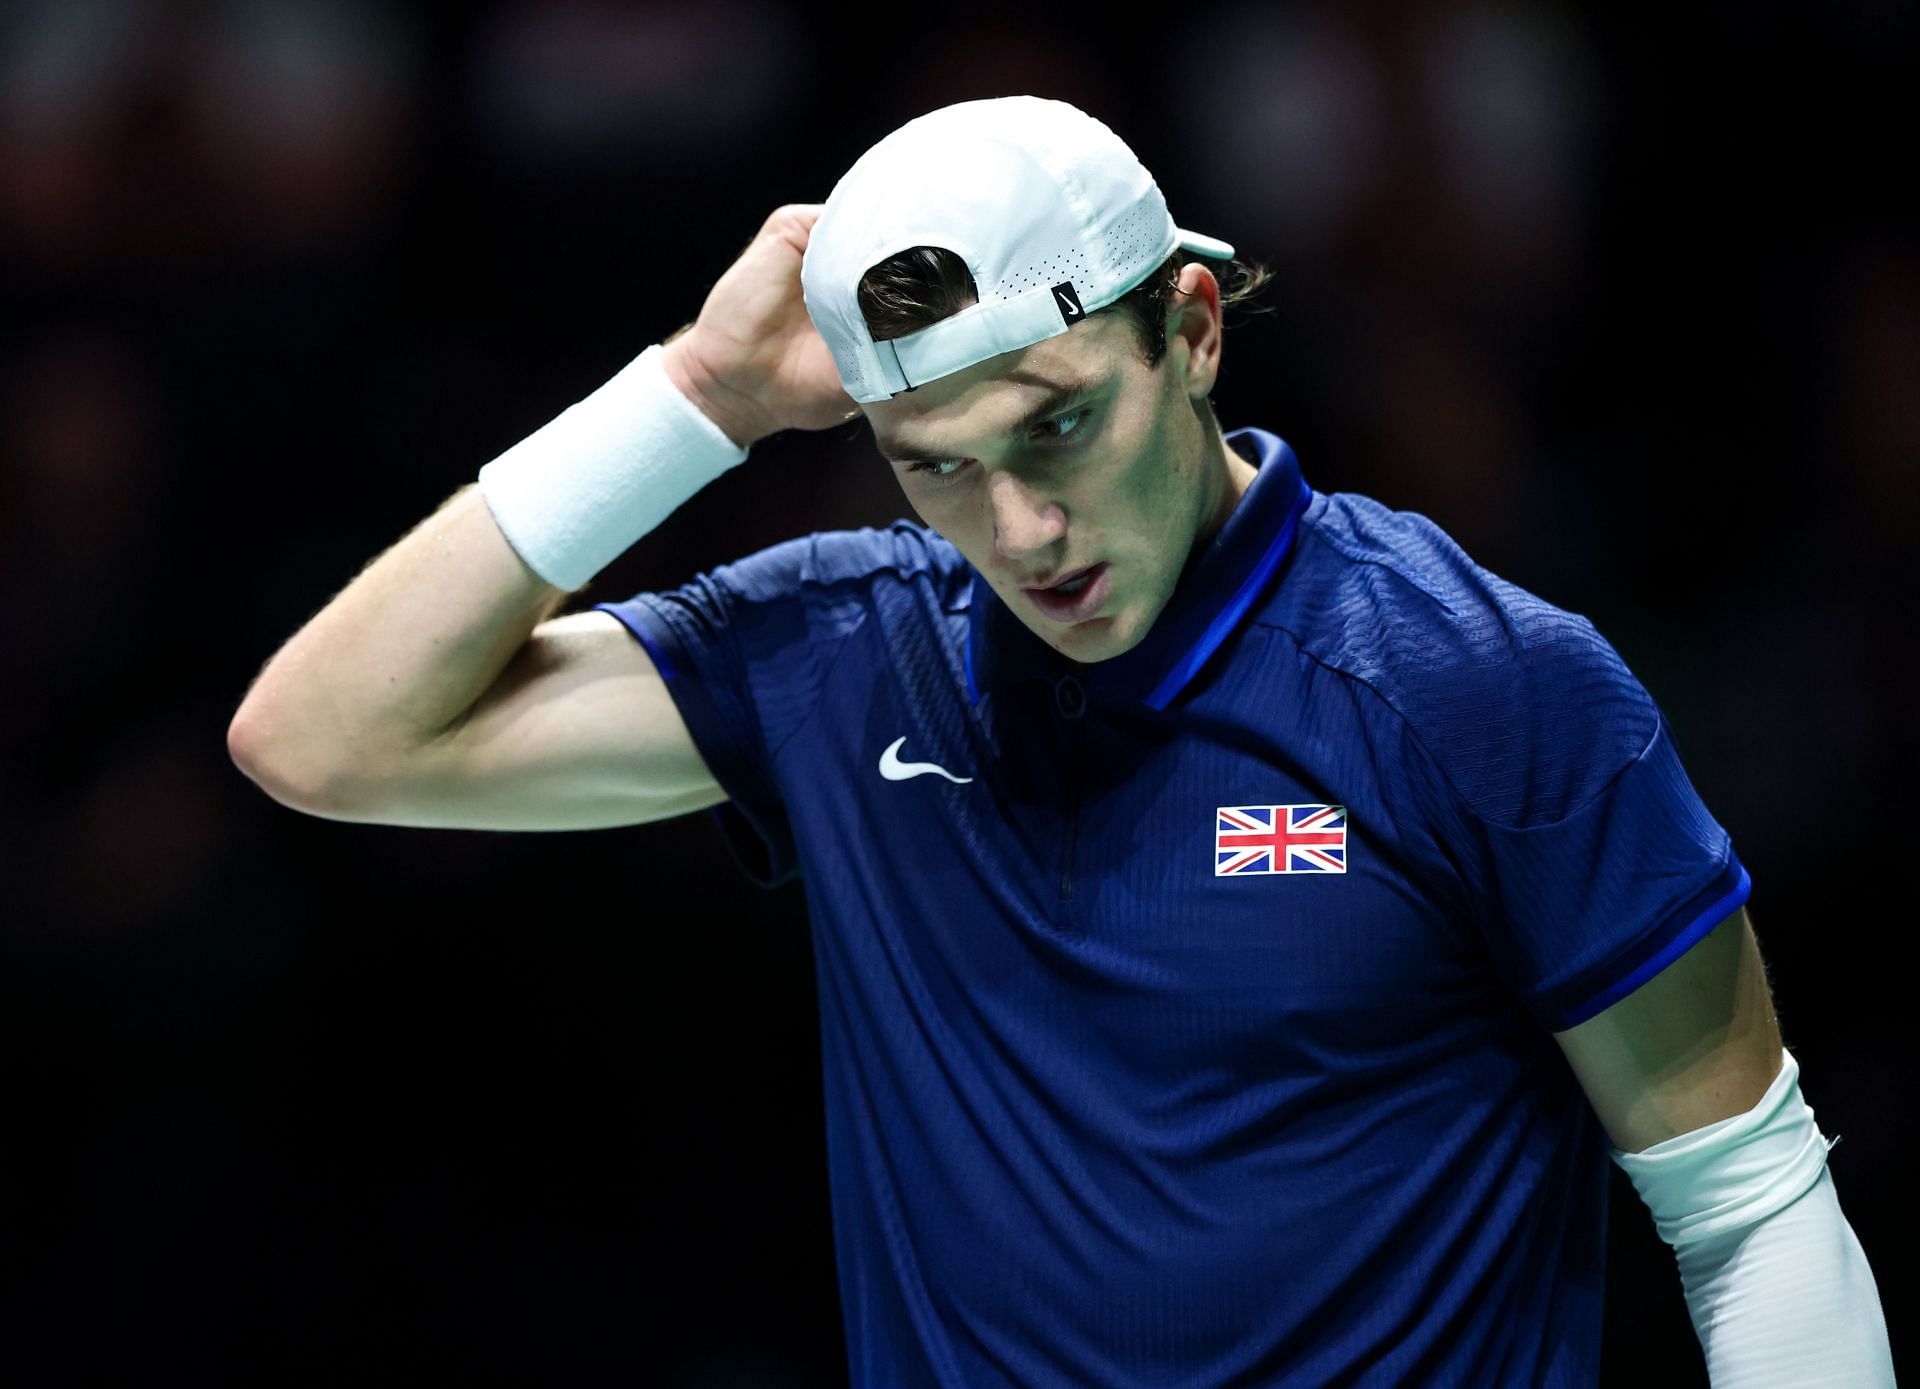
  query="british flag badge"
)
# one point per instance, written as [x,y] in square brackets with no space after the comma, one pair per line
[1279,839]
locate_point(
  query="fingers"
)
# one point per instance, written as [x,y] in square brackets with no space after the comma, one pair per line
[806,214]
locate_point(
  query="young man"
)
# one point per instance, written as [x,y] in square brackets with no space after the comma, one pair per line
[1246,927]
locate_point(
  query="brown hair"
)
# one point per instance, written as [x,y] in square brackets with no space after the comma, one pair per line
[920,286]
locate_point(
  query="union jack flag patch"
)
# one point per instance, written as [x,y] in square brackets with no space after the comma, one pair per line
[1279,839]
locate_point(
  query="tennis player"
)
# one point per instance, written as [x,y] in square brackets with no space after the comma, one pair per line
[1246,927]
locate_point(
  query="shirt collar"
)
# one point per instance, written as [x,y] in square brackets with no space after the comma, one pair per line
[1212,595]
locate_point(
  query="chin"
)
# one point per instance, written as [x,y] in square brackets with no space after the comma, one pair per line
[1099,639]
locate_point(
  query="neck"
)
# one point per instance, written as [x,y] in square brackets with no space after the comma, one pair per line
[1229,477]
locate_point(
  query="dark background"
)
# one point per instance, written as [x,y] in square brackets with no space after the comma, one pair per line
[1631,309]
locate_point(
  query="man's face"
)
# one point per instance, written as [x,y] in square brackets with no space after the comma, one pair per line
[1031,484]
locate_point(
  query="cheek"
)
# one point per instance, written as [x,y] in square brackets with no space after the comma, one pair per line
[1167,477]
[957,515]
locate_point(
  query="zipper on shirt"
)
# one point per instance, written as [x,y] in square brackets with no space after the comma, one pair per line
[1070,700]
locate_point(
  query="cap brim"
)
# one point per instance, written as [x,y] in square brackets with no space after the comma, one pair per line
[1203,245]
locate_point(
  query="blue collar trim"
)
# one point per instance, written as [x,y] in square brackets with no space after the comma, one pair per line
[1211,597]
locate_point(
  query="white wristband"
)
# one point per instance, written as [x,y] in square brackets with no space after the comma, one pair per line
[576,493]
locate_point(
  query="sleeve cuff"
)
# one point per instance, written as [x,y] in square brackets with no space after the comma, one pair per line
[751,820]
[1590,994]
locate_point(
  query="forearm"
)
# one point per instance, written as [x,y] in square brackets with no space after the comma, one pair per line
[425,631]
[1789,1301]
[397,656]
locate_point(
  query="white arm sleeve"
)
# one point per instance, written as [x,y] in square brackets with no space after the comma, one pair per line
[1789,1301]
[1777,1284]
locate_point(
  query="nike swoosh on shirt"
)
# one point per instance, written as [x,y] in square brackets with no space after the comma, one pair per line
[893,769]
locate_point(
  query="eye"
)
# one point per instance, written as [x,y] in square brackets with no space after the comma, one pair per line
[1053,430]
[1077,416]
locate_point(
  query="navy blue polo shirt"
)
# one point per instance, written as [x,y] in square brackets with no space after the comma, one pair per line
[1187,1016]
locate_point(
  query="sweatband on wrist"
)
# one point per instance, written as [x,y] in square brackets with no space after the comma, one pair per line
[576,493]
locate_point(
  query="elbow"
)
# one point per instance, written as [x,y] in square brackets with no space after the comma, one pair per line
[298,784]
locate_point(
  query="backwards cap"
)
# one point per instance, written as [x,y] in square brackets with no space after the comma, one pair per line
[1051,211]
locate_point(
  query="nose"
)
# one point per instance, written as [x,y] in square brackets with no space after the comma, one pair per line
[1024,522]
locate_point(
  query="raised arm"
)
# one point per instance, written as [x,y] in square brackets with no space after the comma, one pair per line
[439,689]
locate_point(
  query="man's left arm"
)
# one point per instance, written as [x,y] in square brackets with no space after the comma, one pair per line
[1691,1079]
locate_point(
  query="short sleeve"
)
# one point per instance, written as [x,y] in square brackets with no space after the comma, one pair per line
[741,648]
[1551,778]
[1582,909]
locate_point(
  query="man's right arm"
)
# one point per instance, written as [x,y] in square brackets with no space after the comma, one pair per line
[437,690]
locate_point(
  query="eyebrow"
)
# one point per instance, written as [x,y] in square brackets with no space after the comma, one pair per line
[1059,394]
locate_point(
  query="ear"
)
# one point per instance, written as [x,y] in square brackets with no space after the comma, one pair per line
[1194,329]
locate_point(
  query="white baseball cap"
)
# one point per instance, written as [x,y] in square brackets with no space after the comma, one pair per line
[1052,213]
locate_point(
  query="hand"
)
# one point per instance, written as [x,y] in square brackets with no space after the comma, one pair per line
[753,360]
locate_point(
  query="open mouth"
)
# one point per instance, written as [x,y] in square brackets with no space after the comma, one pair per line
[1076,599]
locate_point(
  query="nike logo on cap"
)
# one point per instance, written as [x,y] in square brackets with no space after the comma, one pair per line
[1068,302]
[893,769]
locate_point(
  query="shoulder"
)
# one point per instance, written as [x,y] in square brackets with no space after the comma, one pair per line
[902,553]
[1524,707]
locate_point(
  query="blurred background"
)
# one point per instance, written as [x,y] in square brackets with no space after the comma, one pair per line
[1631,309]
